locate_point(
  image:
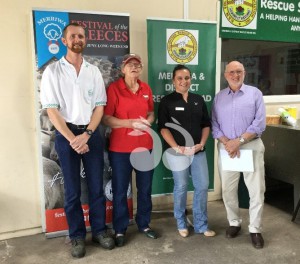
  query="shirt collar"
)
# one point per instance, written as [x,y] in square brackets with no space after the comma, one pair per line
[179,94]
[242,89]
[63,61]
[123,84]
[84,62]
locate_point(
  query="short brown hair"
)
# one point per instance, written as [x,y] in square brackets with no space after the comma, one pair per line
[71,24]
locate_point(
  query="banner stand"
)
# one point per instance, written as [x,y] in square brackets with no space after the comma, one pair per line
[173,42]
[107,42]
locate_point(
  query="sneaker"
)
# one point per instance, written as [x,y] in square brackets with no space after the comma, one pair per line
[78,248]
[105,240]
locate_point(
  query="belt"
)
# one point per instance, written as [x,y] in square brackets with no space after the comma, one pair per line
[72,126]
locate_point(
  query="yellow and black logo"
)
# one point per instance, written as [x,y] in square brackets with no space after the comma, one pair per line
[240,13]
[182,46]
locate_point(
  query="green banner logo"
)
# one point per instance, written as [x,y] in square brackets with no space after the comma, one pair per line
[240,13]
[182,46]
[260,20]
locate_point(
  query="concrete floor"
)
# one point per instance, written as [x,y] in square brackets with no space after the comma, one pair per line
[282,244]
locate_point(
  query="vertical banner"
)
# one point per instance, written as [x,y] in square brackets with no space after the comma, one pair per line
[179,42]
[260,20]
[107,42]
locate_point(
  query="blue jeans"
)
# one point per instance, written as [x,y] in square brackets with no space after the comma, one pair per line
[121,177]
[196,166]
[93,166]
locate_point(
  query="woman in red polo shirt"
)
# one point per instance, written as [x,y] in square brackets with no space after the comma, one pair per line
[130,112]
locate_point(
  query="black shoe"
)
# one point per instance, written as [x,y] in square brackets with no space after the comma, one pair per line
[257,240]
[78,248]
[232,231]
[104,240]
[120,240]
[149,233]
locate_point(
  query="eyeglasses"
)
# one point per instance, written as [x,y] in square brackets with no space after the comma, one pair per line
[232,73]
[135,65]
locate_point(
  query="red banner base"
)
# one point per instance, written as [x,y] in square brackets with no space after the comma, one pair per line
[56,218]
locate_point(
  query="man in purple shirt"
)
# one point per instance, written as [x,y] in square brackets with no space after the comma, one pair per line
[238,120]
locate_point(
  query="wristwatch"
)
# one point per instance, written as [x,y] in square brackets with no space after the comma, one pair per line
[242,140]
[89,132]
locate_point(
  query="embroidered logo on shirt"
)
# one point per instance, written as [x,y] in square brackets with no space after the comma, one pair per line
[90,92]
[146,96]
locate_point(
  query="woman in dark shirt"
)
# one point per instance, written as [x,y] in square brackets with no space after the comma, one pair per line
[184,123]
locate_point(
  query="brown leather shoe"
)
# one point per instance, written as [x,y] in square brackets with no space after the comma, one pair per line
[257,240]
[232,231]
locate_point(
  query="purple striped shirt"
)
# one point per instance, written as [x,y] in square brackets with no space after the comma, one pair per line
[236,113]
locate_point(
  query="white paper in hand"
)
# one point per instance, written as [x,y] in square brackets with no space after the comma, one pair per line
[243,164]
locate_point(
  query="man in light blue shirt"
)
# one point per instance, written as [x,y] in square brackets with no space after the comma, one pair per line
[238,120]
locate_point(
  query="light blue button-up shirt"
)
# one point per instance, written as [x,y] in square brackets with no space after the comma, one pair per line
[234,113]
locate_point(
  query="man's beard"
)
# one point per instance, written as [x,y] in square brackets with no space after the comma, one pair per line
[77,48]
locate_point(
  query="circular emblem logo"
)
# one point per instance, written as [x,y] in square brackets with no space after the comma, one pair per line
[108,191]
[53,48]
[240,13]
[53,32]
[182,46]
[109,194]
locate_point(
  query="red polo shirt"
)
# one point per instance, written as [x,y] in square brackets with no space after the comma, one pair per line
[124,104]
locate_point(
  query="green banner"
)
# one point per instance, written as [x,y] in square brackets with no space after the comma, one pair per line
[261,20]
[179,42]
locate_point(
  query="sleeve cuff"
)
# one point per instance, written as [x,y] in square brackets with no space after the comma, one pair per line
[45,106]
[100,103]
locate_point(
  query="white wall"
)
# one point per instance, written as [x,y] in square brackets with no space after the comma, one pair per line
[20,193]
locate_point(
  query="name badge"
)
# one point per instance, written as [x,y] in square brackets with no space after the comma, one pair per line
[146,96]
[179,108]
